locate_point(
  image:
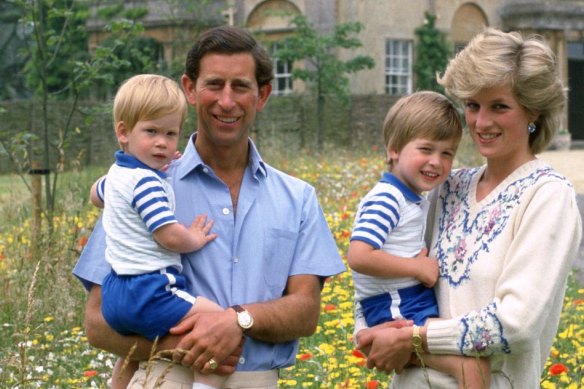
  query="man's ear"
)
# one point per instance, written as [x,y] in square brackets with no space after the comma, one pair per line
[264,95]
[189,87]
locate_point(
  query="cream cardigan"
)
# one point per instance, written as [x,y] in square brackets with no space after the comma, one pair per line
[504,262]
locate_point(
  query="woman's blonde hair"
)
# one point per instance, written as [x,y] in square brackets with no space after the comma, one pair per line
[528,65]
[423,114]
[148,97]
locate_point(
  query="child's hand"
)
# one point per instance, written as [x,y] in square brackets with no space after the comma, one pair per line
[428,270]
[200,231]
[177,155]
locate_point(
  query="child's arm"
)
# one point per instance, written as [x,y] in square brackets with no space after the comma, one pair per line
[96,192]
[178,238]
[365,259]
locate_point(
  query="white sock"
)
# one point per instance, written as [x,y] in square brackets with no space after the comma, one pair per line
[198,385]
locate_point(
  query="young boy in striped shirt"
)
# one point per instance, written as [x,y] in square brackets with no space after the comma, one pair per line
[145,293]
[392,273]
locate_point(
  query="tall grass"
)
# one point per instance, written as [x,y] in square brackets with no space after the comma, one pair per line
[42,343]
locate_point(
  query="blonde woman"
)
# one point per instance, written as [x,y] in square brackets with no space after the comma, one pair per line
[506,233]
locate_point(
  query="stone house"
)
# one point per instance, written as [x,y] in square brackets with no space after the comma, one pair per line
[388,34]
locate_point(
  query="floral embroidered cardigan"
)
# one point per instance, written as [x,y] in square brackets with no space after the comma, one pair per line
[504,262]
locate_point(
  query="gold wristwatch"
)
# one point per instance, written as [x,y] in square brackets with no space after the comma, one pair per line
[417,342]
[244,318]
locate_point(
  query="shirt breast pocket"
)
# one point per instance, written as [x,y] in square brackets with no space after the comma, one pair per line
[279,249]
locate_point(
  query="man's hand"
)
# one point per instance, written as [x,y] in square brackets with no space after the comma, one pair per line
[209,335]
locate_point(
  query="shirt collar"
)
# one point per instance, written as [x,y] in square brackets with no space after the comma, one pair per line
[131,162]
[191,160]
[409,194]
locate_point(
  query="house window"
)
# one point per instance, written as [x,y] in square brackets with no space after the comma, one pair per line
[398,67]
[282,83]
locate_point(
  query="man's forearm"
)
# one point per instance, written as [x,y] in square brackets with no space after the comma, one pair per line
[101,335]
[290,317]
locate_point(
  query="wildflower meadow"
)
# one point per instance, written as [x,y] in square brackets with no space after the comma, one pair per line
[42,341]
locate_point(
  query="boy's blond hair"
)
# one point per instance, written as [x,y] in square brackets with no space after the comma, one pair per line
[148,97]
[425,114]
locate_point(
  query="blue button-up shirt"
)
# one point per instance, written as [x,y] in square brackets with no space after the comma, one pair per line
[279,231]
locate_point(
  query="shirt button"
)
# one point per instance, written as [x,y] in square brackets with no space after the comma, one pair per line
[206,170]
[235,259]
[226,211]
[241,360]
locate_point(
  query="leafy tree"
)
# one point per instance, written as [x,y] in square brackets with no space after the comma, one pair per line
[59,65]
[325,73]
[432,55]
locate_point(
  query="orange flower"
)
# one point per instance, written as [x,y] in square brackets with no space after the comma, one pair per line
[578,301]
[554,353]
[358,354]
[330,307]
[305,356]
[557,369]
[373,384]
[89,373]
[82,241]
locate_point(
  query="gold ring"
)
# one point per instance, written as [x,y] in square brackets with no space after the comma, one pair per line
[213,364]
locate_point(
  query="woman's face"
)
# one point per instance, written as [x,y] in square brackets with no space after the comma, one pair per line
[498,125]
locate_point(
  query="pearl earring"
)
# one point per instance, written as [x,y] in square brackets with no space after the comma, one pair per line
[531,127]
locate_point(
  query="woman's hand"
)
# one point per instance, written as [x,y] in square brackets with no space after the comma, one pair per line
[388,346]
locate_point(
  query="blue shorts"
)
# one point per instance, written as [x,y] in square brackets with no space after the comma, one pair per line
[145,304]
[416,303]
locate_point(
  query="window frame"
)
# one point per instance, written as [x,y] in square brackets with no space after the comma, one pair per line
[398,51]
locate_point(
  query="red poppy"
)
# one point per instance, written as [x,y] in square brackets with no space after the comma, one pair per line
[89,373]
[358,354]
[330,307]
[82,241]
[305,356]
[557,369]
[373,384]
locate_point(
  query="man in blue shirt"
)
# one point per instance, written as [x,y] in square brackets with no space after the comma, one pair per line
[274,248]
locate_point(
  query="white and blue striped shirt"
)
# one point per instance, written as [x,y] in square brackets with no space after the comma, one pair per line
[392,218]
[138,200]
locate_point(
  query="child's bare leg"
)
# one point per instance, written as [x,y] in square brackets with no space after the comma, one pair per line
[201,380]
[121,375]
[469,372]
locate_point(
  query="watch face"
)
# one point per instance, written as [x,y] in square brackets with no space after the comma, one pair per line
[244,319]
